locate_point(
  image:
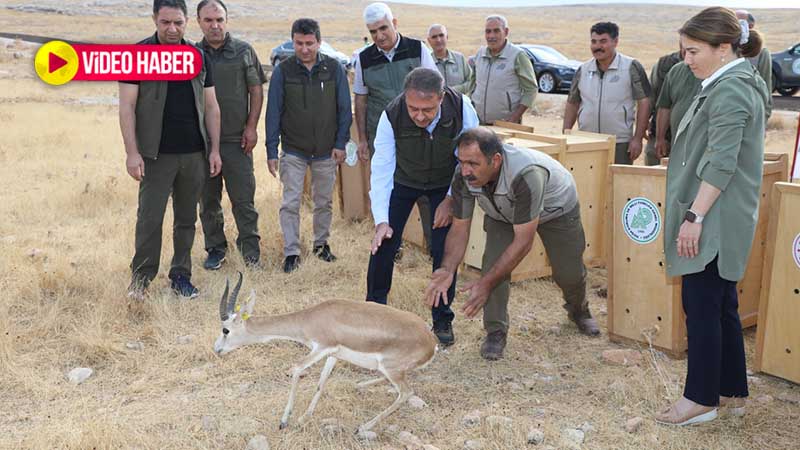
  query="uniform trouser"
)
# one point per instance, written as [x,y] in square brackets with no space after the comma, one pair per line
[381,264]
[621,155]
[293,173]
[183,175]
[240,182]
[425,218]
[650,157]
[563,241]
[716,363]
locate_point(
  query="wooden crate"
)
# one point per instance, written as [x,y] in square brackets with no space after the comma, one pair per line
[778,337]
[412,233]
[644,304]
[352,183]
[587,156]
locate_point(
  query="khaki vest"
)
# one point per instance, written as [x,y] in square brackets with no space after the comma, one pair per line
[560,195]
[426,161]
[385,78]
[309,120]
[150,108]
[453,68]
[607,104]
[497,91]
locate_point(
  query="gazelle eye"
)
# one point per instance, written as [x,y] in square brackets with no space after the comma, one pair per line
[225,331]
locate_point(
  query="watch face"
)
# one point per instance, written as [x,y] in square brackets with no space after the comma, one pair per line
[690,216]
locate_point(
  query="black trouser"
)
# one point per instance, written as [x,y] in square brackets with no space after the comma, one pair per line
[716,347]
[381,264]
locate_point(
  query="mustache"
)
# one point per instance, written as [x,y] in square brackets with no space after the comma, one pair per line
[471,178]
[599,50]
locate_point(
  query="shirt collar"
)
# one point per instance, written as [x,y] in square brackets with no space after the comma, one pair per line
[614,64]
[390,52]
[226,46]
[705,83]
[435,121]
[300,63]
[450,58]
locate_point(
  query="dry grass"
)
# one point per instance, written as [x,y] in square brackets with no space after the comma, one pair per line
[67,235]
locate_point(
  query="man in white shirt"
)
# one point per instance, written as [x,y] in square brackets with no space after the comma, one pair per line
[415,157]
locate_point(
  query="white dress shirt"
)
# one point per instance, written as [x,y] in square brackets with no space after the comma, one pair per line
[384,161]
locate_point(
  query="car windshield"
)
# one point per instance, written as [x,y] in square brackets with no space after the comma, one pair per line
[547,54]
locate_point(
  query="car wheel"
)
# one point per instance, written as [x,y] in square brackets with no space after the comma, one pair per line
[547,83]
[788,91]
[774,83]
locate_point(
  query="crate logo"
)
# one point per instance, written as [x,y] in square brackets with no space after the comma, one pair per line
[641,220]
[796,250]
[58,62]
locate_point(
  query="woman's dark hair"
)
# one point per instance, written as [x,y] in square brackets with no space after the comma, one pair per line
[718,25]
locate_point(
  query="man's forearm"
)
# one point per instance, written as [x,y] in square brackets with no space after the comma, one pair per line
[127,125]
[642,118]
[256,103]
[361,117]
[508,261]
[570,115]
[212,117]
[662,123]
[455,246]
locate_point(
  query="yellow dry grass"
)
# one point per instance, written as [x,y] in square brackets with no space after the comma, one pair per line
[68,211]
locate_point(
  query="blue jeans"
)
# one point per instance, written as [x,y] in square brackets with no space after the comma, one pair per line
[381,264]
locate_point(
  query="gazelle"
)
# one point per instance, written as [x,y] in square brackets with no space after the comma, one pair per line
[369,335]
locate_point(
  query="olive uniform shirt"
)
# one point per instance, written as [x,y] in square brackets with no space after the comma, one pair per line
[677,93]
[236,68]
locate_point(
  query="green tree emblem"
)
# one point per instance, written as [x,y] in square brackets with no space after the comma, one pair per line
[642,219]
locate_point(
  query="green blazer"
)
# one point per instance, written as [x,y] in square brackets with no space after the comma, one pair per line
[720,140]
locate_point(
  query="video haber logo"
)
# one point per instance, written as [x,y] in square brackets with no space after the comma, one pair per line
[57,62]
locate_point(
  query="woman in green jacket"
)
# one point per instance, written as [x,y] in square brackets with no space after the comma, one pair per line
[713,185]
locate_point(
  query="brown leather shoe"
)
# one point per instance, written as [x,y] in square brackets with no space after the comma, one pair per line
[493,345]
[586,324]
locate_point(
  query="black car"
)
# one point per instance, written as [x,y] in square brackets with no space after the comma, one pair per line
[286,50]
[786,71]
[554,71]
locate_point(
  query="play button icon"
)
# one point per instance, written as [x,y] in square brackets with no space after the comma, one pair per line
[56,62]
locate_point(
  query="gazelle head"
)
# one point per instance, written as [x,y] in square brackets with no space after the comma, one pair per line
[233,318]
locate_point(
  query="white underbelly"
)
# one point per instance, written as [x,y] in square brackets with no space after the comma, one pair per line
[366,360]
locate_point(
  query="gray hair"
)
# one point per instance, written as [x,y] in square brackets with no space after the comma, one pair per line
[498,17]
[437,25]
[425,81]
[376,12]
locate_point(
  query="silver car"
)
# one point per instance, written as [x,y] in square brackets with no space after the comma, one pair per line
[286,50]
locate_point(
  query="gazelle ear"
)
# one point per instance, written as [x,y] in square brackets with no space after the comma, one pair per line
[248,307]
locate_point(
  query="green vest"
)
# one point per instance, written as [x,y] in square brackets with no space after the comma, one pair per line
[150,104]
[385,78]
[308,121]
[426,161]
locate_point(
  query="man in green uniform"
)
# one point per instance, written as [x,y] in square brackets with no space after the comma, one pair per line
[657,77]
[238,81]
[451,64]
[677,92]
[762,62]
[523,192]
[171,134]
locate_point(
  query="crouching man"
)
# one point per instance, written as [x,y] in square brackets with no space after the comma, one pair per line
[522,192]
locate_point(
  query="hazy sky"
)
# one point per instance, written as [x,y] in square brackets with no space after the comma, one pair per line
[507,3]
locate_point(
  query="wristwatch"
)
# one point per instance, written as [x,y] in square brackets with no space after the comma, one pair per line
[693,217]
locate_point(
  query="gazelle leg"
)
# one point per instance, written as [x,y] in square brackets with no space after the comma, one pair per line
[404,391]
[323,377]
[309,361]
[366,383]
